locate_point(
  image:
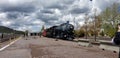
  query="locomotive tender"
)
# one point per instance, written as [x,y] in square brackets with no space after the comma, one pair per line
[63,31]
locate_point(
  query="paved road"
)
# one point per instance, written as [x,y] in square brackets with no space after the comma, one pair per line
[36,47]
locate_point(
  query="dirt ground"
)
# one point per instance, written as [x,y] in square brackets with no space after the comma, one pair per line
[36,47]
[49,48]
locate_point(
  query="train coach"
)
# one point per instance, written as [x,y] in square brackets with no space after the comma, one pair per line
[63,31]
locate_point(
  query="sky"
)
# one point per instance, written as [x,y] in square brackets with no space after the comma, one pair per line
[31,15]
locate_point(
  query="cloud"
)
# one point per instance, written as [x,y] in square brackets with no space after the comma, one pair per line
[57,6]
[18,8]
[79,10]
[47,11]
[13,15]
[47,18]
[32,14]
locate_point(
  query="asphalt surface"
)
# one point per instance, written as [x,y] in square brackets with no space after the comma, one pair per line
[36,47]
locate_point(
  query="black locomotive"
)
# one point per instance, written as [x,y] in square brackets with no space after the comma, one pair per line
[63,31]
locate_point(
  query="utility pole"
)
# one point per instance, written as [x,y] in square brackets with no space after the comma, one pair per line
[94,23]
[86,21]
[74,23]
[95,35]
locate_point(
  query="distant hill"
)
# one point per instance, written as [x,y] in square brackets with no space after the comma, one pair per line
[4,29]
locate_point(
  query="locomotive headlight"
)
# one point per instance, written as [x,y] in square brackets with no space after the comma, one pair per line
[64,35]
[71,27]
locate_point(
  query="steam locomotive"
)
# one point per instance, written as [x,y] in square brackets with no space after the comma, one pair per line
[63,31]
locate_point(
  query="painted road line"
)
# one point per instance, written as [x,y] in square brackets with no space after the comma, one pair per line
[9,44]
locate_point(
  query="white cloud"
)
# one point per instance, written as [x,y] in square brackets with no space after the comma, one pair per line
[38,22]
[3,16]
[58,12]
[6,23]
